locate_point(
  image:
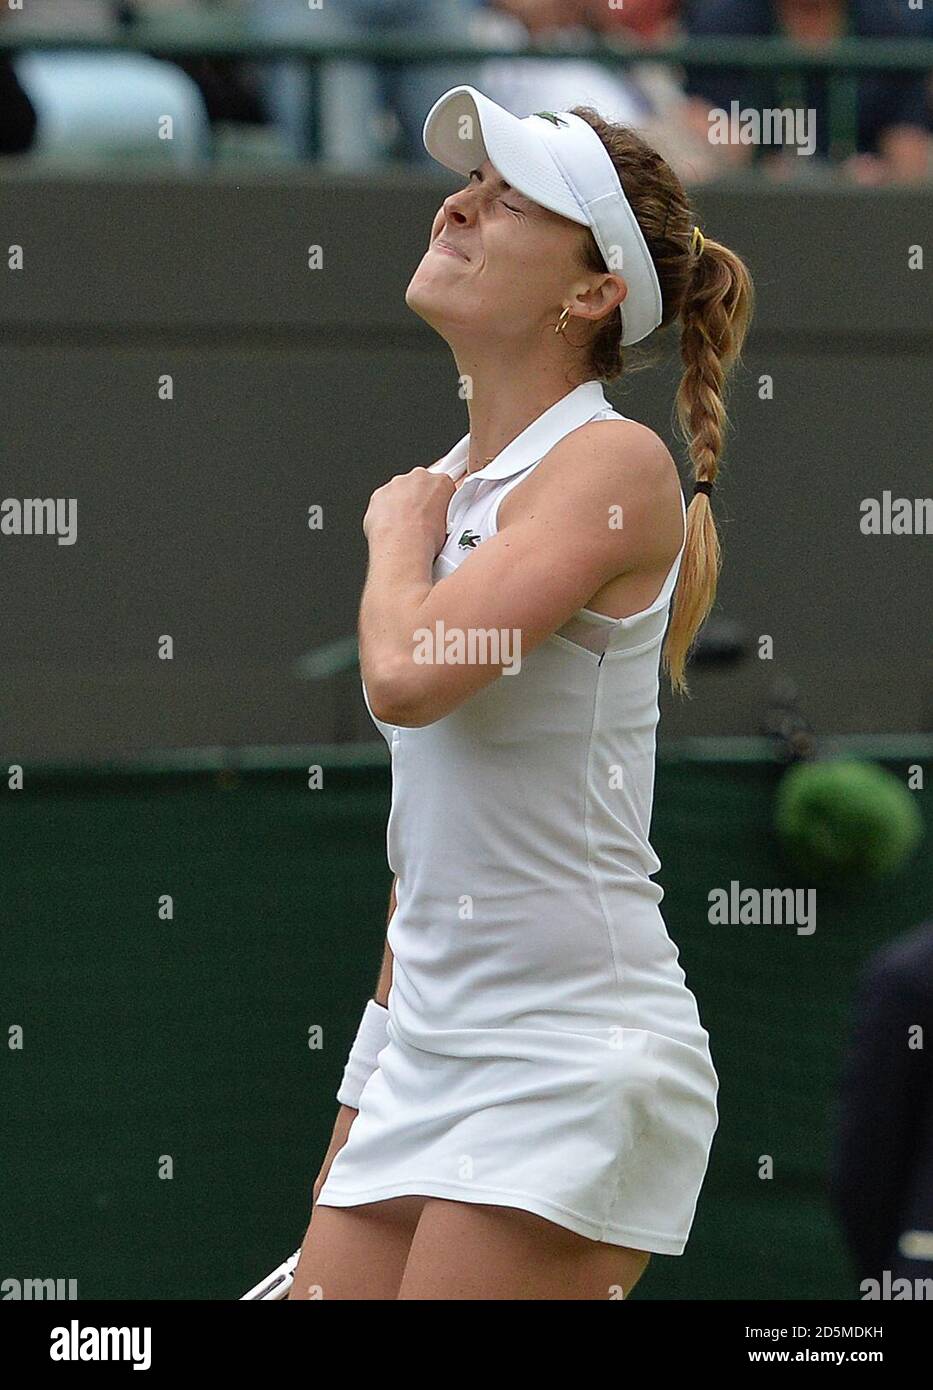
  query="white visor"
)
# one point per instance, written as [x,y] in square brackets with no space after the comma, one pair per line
[555,159]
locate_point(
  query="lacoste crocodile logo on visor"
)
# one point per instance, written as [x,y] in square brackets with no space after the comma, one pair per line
[550,116]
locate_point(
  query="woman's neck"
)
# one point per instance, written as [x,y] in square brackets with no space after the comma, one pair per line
[498,416]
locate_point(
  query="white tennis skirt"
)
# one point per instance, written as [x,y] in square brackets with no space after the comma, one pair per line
[610,1139]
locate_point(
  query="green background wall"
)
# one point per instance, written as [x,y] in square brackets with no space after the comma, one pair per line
[295,387]
[189,1037]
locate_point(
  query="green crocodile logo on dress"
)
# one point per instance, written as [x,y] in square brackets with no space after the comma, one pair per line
[550,116]
[468,539]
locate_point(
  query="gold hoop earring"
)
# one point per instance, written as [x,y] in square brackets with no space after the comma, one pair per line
[562,321]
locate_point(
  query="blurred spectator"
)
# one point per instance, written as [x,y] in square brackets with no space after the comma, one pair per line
[882,1164]
[88,103]
[527,84]
[644,94]
[17,113]
[650,21]
[544,16]
[228,87]
[354,96]
[893,139]
[668,122]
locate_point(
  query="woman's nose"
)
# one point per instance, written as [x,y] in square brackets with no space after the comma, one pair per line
[458,205]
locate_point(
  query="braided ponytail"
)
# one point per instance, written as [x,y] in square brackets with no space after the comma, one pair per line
[709,289]
[715,315]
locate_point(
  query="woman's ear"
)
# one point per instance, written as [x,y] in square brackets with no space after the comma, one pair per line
[604,297]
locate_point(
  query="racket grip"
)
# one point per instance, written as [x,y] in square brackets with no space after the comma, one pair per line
[277,1284]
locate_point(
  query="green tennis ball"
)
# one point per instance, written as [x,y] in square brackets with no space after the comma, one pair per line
[846,820]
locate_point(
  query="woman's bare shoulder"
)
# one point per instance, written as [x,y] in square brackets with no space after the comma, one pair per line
[612,463]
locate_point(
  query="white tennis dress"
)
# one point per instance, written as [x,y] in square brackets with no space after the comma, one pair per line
[544,1049]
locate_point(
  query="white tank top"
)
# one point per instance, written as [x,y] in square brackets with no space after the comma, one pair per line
[519,822]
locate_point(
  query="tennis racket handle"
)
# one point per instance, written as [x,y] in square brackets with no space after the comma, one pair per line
[277,1284]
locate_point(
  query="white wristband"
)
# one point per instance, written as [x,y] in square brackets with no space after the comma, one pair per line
[372,1036]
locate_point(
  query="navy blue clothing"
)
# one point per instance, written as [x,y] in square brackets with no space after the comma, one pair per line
[881,1179]
[884,99]
[17,114]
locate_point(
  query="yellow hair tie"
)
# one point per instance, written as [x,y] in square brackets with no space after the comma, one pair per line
[698,237]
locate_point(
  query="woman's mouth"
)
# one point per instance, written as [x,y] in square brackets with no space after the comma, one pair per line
[450,250]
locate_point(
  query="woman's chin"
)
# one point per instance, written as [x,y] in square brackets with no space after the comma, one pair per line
[442,308]
[430,302]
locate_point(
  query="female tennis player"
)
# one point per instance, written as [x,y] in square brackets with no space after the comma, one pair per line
[529,1106]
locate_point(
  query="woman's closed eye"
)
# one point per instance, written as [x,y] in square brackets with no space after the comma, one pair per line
[469,182]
